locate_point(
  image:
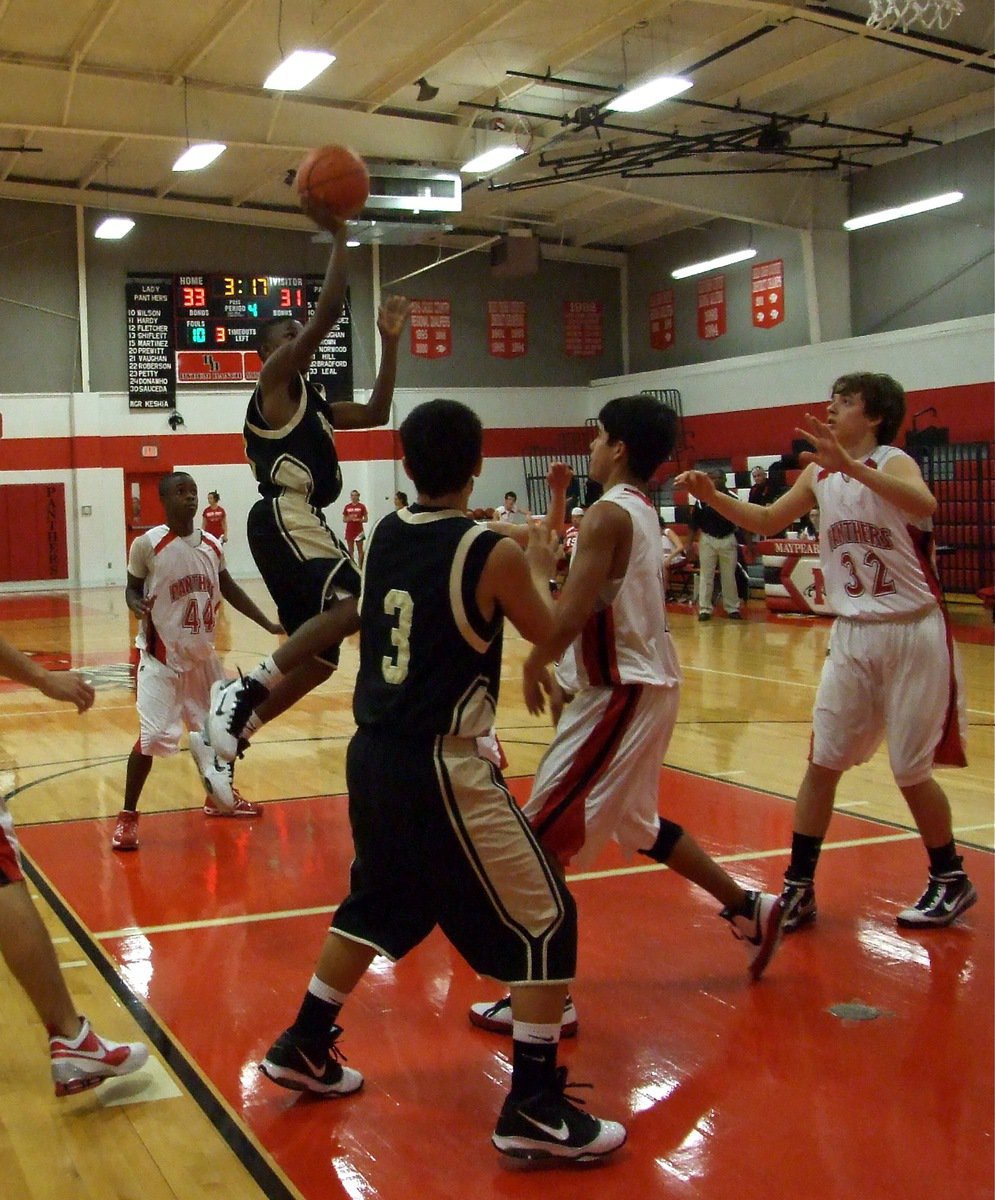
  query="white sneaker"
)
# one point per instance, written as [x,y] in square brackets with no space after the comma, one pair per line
[232,703]
[87,1060]
[495,1016]
[760,929]
[215,775]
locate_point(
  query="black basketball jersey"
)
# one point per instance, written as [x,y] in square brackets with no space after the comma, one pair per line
[429,663]
[300,457]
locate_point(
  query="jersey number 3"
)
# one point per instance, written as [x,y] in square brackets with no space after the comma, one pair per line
[398,604]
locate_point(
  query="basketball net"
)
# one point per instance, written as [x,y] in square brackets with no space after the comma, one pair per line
[924,14]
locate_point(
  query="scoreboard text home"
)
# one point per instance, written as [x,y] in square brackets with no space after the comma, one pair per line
[202,330]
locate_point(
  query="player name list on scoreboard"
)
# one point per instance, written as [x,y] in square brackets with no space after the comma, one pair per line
[203,330]
[151,342]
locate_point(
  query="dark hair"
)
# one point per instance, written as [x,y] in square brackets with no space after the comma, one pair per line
[647,427]
[167,481]
[883,397]
[264,334]
[442,442]
[513,495]
[216,495]
[403,497]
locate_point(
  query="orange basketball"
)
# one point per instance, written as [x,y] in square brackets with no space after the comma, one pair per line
[336,177]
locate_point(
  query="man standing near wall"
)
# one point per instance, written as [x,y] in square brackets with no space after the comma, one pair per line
[714,536]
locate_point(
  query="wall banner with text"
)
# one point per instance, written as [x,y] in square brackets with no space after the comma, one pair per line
[768,293]
[583,328]
[711,307]
[431,328]
[507,328]
[662,319]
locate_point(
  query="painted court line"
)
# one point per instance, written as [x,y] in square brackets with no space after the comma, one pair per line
[580,877]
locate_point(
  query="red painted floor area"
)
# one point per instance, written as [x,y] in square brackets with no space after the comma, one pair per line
[729,1091]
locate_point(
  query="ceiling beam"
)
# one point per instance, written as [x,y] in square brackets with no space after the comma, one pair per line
[204,42]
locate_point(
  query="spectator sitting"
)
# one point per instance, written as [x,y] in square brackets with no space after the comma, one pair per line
[509,512]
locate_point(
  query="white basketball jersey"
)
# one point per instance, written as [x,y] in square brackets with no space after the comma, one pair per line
[877,561]
[181,579]
[626,639]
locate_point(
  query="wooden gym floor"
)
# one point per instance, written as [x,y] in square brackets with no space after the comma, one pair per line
[860,1066]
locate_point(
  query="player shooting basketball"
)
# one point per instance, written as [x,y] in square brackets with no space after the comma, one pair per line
[289,440]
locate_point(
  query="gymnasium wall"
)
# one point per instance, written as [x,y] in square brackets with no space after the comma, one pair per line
[938,266]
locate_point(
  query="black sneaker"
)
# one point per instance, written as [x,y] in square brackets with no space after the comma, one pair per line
[549,1125]
[799,903]
[304,1066]
[945,898]
[232,703]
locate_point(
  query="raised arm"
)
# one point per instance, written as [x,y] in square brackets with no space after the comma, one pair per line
[899,481]
[347,414]
[293,356]
[755,517]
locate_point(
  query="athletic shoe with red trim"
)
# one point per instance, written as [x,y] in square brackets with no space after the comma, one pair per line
[495,1016]
[125,836]
[760,928]
[241,807]
[87,1060]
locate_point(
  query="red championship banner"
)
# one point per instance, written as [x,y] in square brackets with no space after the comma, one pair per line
[662,319]
[768,293]
[431,328]
[583,328]
[507,328]
[712,307]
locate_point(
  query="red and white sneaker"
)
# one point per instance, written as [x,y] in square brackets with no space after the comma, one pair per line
[125,836]
[87,1060]
[241,807]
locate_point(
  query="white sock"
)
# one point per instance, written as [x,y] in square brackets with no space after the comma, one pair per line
[267,673]
[324,992]
[543,1035]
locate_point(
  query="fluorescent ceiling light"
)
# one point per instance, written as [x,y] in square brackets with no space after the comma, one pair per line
[113,229]
[490,160]
[713,264]
[352,242]
[298,69]
[903,210]
[647,94]
[195,158]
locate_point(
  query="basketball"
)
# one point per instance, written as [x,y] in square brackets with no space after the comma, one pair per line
[335,177]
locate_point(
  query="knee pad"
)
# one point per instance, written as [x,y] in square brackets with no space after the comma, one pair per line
[668,835]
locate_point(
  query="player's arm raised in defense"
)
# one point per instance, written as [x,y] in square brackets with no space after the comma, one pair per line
[601,554]
[518,582]
[348,414]
[783,512]
[899,481]
[244,604]
[558,477]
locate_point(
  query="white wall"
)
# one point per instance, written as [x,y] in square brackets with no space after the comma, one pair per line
[945,355]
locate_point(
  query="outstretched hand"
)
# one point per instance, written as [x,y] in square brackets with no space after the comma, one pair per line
[68,686]
[828,452]
[394,311]
[698,483]
[558,476]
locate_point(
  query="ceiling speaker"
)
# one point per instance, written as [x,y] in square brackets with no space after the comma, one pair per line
[514,256]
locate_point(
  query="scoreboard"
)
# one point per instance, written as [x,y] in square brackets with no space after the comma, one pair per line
[203,329]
